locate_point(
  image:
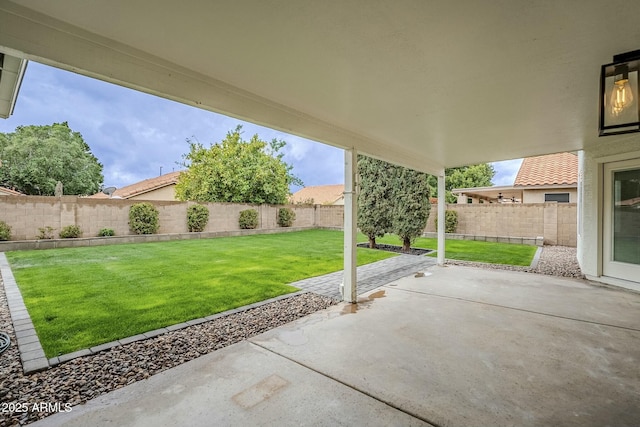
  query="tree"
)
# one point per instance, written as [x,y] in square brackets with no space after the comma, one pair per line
[479,175]
[34,158]
[391,199]
[236,171]
[410,204]
[374,198]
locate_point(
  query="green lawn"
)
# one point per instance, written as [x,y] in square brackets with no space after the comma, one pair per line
[82,297]
[471,250]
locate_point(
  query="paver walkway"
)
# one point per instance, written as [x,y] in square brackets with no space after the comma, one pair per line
[370,276]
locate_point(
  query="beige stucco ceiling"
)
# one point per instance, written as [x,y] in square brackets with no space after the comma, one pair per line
[427,84]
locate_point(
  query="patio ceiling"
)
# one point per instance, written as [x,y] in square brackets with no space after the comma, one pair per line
[421,83]
[495,193]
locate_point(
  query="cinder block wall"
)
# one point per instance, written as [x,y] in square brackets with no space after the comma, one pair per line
[26,214]
[556,222]
[567,224]
[329,216]
[94,215]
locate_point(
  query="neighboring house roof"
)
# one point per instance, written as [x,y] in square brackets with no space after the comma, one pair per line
[553,169]
[9,192]
[142,187]
[319,194]
[635,202]
[540,172]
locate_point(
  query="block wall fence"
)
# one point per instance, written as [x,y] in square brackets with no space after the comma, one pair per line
[556,222]
[26,214]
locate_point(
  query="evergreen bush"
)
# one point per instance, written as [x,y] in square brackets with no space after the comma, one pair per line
[45,233]
[450,221]
[248,219]
[143,218]
[286,216]
[106,232]
[197,217]
[5,231]
[70,232]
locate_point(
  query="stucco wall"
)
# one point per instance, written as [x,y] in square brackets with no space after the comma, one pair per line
[591,161]
[165,193]
[537,196]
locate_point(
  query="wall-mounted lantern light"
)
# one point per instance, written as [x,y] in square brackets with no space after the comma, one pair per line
[619,96]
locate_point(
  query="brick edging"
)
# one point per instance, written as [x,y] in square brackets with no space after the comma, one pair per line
[150,334]
[31,352]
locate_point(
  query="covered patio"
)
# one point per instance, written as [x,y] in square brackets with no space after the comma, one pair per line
[460,346]
[427,85]
[420,84]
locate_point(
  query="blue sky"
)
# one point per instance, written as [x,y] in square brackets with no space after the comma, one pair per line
[134,134]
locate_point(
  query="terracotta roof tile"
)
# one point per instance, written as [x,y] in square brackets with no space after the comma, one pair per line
[142,186]
[561,168]
[9,192]
[320,194]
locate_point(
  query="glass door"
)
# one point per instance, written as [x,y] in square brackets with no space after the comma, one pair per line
[621,228]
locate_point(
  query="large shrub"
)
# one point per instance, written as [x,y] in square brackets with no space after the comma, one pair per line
[143,218]
[70,232]
[5,231]
[450,221]
[286,216]
[197,217]
[248,219]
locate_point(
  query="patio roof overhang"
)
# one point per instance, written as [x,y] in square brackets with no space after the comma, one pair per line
[11,72]
[491,193]
[423,84]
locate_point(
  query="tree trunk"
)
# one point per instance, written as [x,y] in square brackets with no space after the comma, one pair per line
[406,244]
[372,243]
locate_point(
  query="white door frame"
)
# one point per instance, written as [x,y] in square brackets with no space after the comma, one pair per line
[611,268]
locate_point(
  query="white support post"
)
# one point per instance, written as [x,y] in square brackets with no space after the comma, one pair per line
[349,290]
[441,215]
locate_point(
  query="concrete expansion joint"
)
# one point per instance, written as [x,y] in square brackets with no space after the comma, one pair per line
[344,383]
[523,310]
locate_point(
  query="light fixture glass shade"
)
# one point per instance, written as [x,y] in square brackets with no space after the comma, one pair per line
[619,106]
[621,97]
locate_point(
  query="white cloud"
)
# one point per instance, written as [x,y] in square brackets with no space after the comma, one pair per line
[506,171]
[134,134]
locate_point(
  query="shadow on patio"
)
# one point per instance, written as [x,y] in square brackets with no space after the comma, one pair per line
[459,346]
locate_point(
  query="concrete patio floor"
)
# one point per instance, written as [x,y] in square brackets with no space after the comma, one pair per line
[459,347]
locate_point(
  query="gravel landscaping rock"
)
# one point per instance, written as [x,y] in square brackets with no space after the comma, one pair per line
[554,261]
[84,378]
[397,249]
